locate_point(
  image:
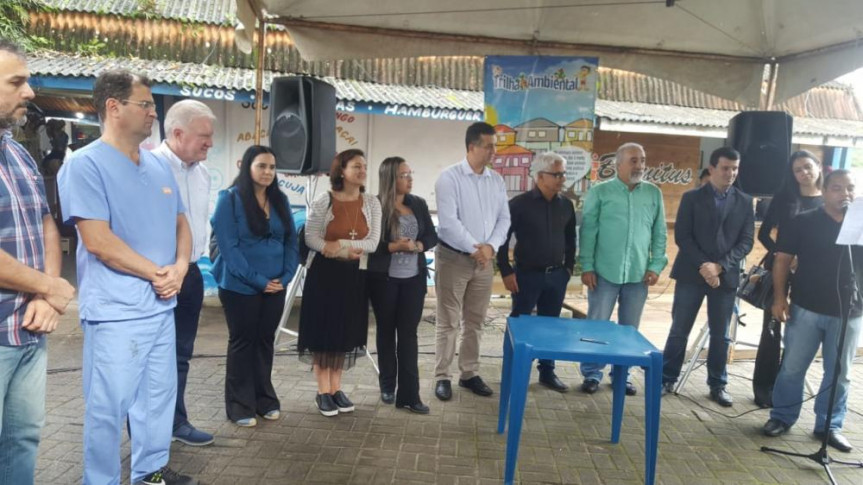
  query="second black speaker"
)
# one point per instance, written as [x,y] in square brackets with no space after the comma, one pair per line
[763,139]
[302,124]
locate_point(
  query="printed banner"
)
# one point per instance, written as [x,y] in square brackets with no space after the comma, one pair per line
[539,104]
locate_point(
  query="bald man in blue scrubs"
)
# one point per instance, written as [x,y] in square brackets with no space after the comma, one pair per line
[133,254]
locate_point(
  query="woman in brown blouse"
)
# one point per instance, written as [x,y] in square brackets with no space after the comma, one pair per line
[343,227]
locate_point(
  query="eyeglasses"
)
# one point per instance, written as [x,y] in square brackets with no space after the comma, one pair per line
[557,175]
[406,175]
[145,105]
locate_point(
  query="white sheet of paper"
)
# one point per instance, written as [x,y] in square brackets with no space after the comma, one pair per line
[852,228]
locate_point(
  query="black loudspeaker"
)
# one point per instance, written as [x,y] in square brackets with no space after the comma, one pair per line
[763,139]
[302,124]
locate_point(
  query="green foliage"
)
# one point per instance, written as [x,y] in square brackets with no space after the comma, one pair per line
[14,17]
[95,47]
[148,8]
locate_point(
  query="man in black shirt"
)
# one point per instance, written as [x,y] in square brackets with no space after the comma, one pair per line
[822,292]
[544,226]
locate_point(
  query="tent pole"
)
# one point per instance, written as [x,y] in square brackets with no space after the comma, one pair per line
[771,85]
[259,81]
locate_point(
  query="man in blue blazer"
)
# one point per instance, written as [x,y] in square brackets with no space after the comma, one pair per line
[714,232]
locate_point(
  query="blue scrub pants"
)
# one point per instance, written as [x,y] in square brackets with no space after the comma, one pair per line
[130,369]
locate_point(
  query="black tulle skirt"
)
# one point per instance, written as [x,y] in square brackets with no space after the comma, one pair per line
[334,317]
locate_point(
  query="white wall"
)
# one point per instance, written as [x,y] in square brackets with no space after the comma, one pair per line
[428,146]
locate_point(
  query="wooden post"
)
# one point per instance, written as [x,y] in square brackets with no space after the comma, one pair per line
[259,82]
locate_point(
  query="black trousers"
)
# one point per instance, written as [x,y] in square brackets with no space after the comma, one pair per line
[186,316]
[252,322]
[767,361]
[398,307]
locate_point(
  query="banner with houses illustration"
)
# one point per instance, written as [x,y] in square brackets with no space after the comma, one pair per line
[538,104]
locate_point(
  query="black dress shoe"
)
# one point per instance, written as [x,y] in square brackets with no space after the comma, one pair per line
[836,440]
[552,382]
[417,407]
[774,428]
[388,397]
[476,385]
[721,397]
[443,390]
[589,386]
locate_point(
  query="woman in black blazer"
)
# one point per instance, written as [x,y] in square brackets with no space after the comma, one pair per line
[397,275]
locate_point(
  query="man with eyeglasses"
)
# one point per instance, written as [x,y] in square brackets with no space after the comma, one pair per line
[132,259]
[543,222]
[623,239]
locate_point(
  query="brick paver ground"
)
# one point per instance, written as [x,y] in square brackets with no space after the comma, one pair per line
[564,440]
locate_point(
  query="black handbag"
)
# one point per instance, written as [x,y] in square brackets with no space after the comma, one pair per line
[756,286]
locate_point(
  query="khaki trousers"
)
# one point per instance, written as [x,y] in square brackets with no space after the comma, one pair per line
[463,293]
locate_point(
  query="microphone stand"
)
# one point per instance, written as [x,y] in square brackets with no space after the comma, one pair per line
[822,457]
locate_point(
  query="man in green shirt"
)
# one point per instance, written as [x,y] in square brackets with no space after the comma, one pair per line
[623,239]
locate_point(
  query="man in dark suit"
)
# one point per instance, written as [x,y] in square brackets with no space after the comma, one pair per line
[714,232]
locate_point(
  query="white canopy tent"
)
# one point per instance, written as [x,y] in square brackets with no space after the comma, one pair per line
[720,47]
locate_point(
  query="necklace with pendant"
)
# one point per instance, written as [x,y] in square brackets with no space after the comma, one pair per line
[353,233]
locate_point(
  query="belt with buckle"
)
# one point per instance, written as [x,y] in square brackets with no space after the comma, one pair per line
[452,248]
[543,269]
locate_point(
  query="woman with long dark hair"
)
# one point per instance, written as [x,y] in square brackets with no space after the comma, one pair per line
[800,191]
[342,228]
[397,283]
[258,256]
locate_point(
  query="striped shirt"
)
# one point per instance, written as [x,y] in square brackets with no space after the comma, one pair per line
[22,206]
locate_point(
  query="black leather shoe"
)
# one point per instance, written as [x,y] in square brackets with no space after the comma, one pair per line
[552,382]
[417,407]
[774,428]
[476,385]
[836,440]
[721,397]
[630,389]
[388,397]
[443,390]
[589,386]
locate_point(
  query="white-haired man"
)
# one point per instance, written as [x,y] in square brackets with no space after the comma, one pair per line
[189,135]
[544,226]
[623,240]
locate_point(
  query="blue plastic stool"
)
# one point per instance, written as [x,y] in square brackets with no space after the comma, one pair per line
[529,337]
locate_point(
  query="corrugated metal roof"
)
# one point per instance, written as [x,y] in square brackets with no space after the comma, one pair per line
[203,11]
[713,118]
[213,44]
[58,64]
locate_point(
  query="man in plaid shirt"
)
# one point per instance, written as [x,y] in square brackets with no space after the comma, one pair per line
[32,294]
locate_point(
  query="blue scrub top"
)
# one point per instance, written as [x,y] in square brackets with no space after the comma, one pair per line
[141,203]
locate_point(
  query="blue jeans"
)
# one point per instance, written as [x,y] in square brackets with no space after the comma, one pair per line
[630,298]
[804,333]
[22,410]
[543,291]
[687,302]
[130,369]
[186,315]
